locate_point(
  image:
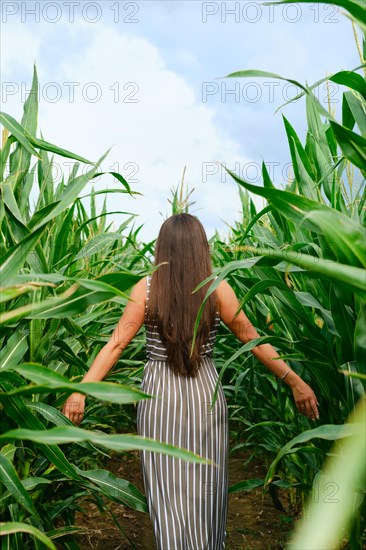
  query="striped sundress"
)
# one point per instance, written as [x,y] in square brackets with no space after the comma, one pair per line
[187,502]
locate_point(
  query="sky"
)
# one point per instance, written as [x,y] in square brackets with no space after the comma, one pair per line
[147,79]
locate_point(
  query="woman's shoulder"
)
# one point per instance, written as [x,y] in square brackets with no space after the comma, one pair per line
[224,293]
[223,288]
[142,282]
[139,288]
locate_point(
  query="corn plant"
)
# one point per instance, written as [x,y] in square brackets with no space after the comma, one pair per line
[65,278]
[299,267]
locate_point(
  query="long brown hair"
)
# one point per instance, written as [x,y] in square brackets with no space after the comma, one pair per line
[172,307]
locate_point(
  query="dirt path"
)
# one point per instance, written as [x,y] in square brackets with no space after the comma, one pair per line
[252,523]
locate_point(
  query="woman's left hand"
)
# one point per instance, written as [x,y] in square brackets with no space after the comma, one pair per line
[306,400]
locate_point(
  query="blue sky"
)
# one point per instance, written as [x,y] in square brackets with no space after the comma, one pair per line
[144,77]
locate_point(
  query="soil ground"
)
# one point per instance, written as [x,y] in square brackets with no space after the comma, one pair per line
[253,520]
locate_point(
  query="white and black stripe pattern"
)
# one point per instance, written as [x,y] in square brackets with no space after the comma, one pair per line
[187,502]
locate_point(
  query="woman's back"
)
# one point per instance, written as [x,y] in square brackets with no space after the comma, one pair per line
[155,348]
[187,501]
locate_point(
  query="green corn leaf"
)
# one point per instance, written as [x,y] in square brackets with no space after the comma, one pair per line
[119,490]
[18,255]
[17,527]
[20,158]
[46,379]
[8,451]
[247,485]
[53,415]
[353,146]
[18,411]
[263,74]
[326,431]
[8,195]
[327,520]
[98,243]
[352,276]
[14,350]
[9,478]
[116,442]
[46,146]
[121,179]
[11,292]
[18,132]
[351,79]
[76,298]
[71,192]
[358,111]
[355,8]
[345,236]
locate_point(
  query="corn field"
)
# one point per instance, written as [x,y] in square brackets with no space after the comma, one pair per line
[298,268]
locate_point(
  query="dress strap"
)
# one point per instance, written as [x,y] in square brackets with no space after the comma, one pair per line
[147,293]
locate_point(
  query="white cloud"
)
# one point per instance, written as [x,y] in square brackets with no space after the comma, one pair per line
[167,129]
[20,47]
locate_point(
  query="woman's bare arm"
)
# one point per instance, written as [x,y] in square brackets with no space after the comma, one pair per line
[227,305]
[127,327]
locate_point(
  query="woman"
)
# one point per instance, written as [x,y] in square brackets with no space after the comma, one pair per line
[187,502]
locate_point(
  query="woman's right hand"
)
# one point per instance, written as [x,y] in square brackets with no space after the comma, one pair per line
[74,407]
[305,400]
